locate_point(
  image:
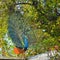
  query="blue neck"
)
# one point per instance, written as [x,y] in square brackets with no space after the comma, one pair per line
[26,44]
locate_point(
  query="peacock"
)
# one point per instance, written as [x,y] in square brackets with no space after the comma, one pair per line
[19,30]
[15,31]
[21,33]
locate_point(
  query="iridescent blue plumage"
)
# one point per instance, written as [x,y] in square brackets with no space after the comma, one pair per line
[25,40]
[20,31]
[16,39]
[15,32]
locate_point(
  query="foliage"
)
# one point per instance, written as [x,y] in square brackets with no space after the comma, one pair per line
[41,17]
[3,18]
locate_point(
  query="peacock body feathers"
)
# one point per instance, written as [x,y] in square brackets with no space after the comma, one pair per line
[21,34]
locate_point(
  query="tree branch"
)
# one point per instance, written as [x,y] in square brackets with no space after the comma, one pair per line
[23,3]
